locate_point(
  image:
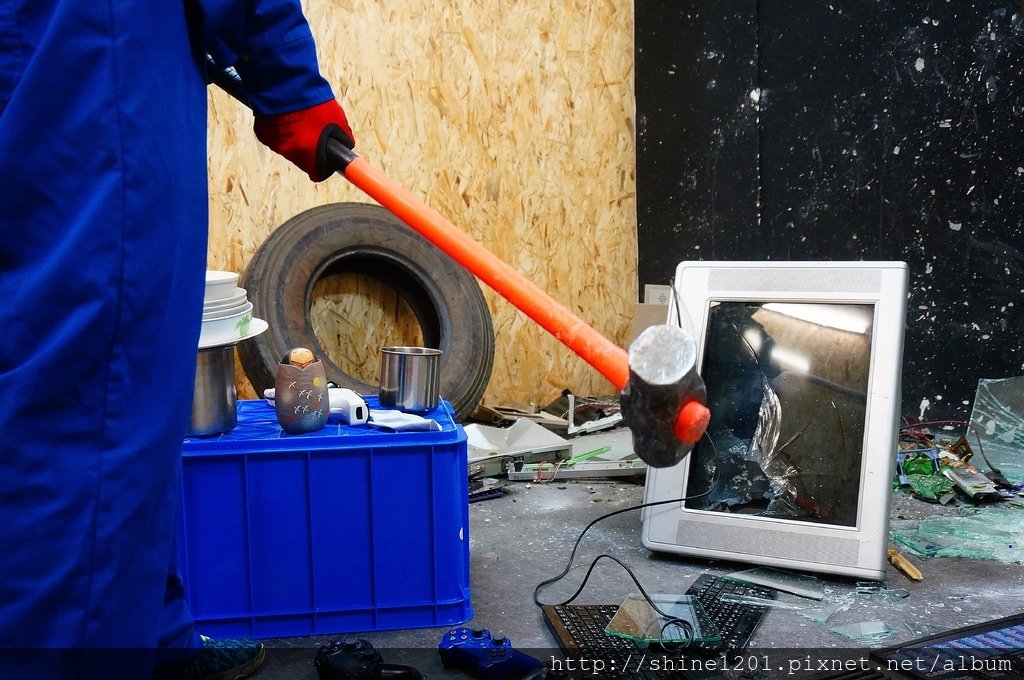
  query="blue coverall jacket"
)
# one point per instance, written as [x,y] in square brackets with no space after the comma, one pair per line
[103,248]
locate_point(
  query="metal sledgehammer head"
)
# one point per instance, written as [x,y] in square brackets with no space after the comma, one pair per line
[663,402]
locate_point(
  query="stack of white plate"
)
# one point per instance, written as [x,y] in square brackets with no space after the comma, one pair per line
[227,312]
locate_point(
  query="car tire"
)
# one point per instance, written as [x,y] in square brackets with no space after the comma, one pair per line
[366,239]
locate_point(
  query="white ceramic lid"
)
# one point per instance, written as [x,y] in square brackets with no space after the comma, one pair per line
[220,284]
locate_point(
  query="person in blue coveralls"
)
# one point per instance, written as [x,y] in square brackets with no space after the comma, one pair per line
[103,217]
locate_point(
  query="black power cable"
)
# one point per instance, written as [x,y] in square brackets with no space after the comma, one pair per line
[670,620]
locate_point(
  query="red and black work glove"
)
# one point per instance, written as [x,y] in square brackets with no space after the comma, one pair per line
[301,136]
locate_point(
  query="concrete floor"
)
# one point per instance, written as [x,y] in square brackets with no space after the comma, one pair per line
[525,537]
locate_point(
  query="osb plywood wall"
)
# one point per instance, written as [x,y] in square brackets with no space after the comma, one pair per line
[514,119]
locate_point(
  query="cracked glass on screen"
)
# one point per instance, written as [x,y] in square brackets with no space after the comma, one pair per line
[787,387]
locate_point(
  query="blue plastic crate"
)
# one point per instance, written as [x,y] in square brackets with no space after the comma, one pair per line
[348,529]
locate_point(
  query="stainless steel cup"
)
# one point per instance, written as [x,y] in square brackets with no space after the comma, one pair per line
[213,397]
[409,378]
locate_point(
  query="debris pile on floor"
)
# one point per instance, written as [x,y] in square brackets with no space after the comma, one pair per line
[571,438]
[936,465]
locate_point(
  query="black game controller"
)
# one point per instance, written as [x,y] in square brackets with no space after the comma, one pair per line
[486,657]
[358,660]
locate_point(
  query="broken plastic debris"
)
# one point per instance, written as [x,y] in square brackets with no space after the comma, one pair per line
[929,487]
[865,631]
[786,581]
[916,462]
[492,450]
[524,436]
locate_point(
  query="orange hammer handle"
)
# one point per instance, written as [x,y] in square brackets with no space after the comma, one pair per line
[604,355]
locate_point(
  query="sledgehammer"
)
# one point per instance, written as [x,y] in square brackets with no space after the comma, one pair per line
[661,396]
[660,393]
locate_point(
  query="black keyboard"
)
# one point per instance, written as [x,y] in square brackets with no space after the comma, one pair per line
[579,628]
[736,621]
[580,632]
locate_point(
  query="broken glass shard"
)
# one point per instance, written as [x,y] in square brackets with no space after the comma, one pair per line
[991,533]
[864,631]
[826,611]
[672,618]
[786,581]
[760,601]
[998,423]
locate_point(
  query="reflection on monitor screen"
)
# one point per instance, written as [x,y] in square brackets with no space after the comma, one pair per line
[802,364]
[787,386]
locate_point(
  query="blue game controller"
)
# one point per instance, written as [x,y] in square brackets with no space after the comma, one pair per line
[487,657]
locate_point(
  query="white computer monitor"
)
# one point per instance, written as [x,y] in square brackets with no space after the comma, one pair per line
[802,364]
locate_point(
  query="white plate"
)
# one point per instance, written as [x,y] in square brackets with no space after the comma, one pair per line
[243,306]
[226,329]
[256,326]
[236,298]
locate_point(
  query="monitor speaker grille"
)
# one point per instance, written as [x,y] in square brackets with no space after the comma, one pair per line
[769,543]
[819,279]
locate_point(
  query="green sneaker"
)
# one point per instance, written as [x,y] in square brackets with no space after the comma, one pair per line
[228,659]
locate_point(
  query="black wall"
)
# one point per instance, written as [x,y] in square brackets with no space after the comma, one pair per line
[847,130]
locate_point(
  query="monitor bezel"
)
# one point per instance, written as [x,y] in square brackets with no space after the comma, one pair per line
[661,524]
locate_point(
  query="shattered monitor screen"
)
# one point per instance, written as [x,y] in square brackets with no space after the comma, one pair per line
[787,387]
